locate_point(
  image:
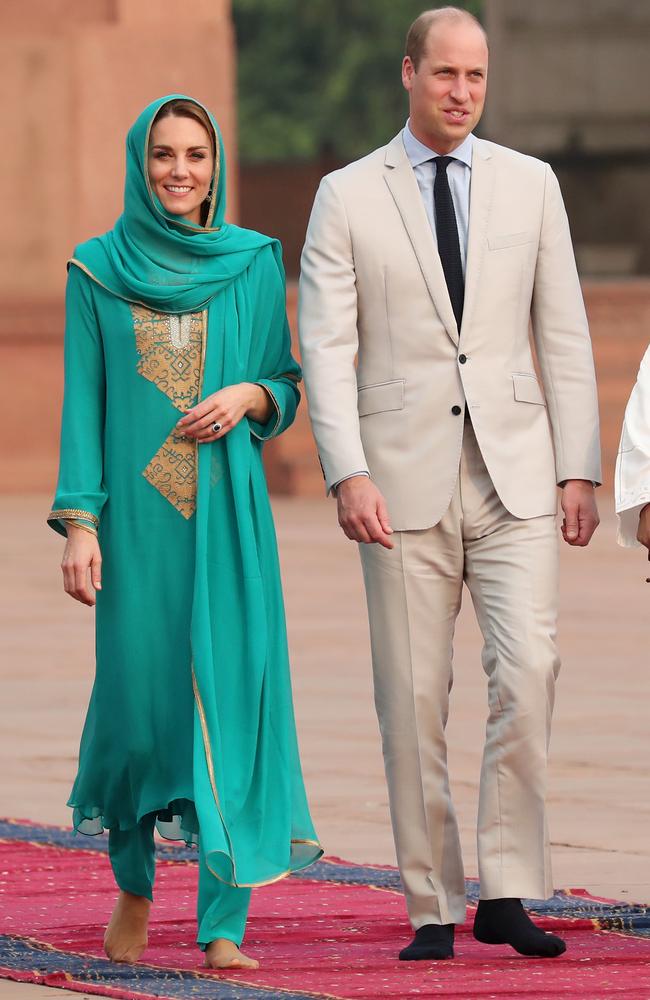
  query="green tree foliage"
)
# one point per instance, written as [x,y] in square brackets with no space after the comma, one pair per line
[320,77]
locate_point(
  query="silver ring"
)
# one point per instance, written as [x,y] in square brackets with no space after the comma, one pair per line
[216,427]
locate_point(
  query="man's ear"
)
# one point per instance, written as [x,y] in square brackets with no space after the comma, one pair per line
[408,72]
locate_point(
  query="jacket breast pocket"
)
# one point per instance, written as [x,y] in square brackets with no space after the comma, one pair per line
[381,396]
[527,389]
[504,240]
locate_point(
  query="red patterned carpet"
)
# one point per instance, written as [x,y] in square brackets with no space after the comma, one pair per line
[333,932]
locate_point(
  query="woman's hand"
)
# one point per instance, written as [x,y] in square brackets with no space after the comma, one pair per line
[226,407]
[81,554]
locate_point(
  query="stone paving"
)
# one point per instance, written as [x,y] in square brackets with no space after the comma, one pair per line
[599,801]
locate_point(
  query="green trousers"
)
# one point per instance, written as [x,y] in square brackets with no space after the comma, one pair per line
[222,909]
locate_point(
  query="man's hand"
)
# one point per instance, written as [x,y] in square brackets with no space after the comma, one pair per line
[580,512]
[643,534]
[362,511]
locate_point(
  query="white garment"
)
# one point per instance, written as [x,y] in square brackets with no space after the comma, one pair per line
[633,461]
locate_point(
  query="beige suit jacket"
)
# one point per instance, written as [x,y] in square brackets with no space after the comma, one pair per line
[383,357]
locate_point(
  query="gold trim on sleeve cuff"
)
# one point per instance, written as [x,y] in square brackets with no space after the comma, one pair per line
[278,414]
[71,514]
[84,527]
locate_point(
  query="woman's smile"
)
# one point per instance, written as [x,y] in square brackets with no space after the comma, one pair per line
[177,190]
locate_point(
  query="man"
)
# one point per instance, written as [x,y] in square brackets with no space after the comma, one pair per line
[428,258]
[633,465]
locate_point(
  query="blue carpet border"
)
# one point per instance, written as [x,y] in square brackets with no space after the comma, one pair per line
[22,955]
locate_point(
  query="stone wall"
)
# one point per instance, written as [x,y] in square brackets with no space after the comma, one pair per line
[568,83]
[81,71]
[276,198]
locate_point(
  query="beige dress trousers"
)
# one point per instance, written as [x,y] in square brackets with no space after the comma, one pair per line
[414,595]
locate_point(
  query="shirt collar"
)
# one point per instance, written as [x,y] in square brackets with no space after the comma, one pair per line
[418,153]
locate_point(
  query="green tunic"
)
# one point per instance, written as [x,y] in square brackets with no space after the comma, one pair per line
[191,712]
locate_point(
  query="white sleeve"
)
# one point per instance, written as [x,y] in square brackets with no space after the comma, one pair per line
[633,460]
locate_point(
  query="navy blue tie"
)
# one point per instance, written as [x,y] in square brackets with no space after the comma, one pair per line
[447,236]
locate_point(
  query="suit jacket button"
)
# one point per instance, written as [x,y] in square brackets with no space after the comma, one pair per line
[456,410]
[462,358]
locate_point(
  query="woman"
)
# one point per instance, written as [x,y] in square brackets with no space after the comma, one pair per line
[177,369]
[633,465]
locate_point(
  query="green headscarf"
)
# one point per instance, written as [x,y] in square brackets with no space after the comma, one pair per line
[161,260]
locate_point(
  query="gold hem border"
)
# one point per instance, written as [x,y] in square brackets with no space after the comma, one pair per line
[204,345]
[210,765]
[251,885]
[213,784]
[270,881]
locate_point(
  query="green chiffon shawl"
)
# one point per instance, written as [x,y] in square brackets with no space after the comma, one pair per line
[252,814]
[155,258]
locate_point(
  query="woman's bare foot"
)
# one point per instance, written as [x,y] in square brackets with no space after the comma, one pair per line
[224,954]
[126,935]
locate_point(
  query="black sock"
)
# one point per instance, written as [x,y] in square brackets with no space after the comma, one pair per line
[433,941]
[504,921]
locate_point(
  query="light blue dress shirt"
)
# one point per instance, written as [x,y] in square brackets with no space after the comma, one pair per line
[459,175]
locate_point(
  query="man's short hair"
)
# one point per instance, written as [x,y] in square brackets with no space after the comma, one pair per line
[416,38]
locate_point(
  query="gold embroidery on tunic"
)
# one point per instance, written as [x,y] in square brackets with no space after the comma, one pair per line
[170,361]
[171,355]
[172,471]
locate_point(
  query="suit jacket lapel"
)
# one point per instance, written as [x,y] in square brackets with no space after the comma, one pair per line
[404,188]
[480,199]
